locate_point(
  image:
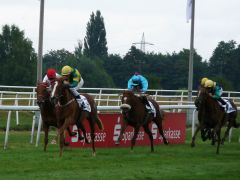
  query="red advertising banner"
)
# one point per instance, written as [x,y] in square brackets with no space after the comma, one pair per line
[174,127]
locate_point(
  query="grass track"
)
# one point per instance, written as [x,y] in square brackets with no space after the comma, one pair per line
[24,161]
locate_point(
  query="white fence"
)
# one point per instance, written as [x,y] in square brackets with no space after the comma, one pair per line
[100,108]
[36,108]
[108,99]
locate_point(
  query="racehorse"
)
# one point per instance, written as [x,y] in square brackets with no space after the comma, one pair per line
[47,111]
[211,116]
[231,120]
[134,114]
[68,113]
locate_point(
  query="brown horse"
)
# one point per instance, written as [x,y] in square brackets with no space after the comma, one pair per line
[211,116]
[231,120]
[47,110]
[68,113]
[134,114]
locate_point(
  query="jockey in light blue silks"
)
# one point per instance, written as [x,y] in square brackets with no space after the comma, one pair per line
[138,83]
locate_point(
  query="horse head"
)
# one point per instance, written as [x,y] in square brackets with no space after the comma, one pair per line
[58,91]
[42,93]
[202,97]
[127,101]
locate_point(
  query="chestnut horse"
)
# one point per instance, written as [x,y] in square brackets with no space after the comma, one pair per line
[47,110]
[134,114]
[211,116]
[69,113]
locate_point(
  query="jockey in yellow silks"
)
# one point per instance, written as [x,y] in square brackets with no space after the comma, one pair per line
[74,82]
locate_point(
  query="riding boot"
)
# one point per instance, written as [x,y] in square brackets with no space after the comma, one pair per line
[224,104]
[146,103]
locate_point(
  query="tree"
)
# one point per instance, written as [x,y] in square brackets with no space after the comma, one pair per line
[57,59]
[95,43]
[17,57]
[221,57]
[224,64]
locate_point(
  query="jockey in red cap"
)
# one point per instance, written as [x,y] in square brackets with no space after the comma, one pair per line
[50,77]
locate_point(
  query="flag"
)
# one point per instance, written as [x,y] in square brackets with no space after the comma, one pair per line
[189,10]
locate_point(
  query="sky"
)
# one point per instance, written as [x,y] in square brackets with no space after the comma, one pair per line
[163,23]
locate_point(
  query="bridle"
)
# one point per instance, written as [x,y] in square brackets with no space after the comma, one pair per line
[56,99]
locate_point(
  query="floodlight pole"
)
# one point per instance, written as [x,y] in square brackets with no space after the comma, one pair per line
[190,73]
[39,66]
[40,42]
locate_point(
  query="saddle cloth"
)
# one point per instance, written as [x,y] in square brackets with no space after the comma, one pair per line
[228,107]
[86,103]
[152,108]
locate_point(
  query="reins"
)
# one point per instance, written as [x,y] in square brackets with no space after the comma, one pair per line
[64,105]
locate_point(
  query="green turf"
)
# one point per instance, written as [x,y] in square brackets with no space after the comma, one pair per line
[23,160]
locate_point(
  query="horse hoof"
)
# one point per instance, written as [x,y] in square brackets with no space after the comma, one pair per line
[94,154]
[117,142]
[192,145]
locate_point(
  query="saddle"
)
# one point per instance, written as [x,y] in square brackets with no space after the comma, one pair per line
[148,105]
[228,108]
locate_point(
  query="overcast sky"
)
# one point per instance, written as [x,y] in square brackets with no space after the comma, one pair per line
[162,21]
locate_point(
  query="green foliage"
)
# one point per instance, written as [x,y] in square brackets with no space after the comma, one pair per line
[91,70]
[95,43]
[17,58]
[57,59]
[225,64]
[93,74]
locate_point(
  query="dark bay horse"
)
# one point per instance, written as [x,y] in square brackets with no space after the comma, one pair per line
[211,116]
[231,120]
[68,113]
[47,110]
[134,114]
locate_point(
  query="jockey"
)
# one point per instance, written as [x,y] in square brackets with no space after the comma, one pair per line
[203,80]
[215,90]
[74,82]
[50,77]
[138,83]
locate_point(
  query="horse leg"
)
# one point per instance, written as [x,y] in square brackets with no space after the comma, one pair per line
[91,123]
[136,130]
[160,129]
[123,128]
[45,128]
[194,136]
[61,140]
[213,137]
[70,132]
[218,133]
[80,126]
[226,132]
[147,130]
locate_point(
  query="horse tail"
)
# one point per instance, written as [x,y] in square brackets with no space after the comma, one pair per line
[99,123]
